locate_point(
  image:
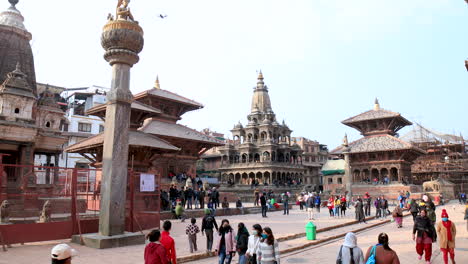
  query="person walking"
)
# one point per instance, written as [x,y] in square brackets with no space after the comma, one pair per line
[226,243]
[337,206]
[383,207]
[268,250]
[318,203]
[263,203]
[201,197]
[242,242]
[349,252]
[189,198]
[300,201]
[398,216]
[330,205]
[155,252]
[377,208]
[382,253]
[285,198]
[168,242]
[367,204]
[425,235]
[254,242]
[360,211]
[414,209]
[310,206]
[191,231]
[256,197]
[343,207]
[446,232]
[208,224]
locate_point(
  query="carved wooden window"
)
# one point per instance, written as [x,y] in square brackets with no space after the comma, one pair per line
[17,111]
[84,127]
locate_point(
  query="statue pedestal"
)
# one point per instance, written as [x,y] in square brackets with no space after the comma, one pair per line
[95,240]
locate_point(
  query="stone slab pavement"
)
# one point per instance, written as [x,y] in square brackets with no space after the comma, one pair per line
[282,225]
[400,241]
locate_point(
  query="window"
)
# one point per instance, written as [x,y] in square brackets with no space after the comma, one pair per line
[17,111]
[101,128]
[340,181]
[47,124]
[330,180]
[84,127]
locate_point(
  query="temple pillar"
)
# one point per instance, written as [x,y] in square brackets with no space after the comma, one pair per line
[122,40]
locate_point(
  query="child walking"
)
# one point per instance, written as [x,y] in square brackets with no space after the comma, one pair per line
[191,231]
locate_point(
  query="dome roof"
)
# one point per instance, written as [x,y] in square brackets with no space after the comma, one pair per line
[13,18]
[15,47]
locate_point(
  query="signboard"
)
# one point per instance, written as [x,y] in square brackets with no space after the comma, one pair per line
[147,183]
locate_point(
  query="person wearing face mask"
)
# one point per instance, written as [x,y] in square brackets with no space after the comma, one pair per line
[254,242]
[426,235]
[242,242]
[446,233]
[226,244]
[268,251]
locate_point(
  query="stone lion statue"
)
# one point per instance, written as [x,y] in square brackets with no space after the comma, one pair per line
[46,212]
[5,212]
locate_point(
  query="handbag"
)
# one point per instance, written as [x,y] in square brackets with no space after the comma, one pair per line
[371,259]
[338,260]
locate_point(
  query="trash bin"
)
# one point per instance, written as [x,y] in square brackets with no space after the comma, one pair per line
[311,231]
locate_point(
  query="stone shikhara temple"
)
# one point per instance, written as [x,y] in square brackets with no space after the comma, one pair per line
[30,121]
[262,150]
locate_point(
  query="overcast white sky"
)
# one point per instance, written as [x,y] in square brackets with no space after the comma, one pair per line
[323,60]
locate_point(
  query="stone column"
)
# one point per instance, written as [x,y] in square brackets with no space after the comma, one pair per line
[122,40]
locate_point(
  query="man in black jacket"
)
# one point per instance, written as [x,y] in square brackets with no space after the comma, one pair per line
[263,203]
[208,224]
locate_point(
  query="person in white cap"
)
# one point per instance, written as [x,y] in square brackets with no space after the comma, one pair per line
[62,254]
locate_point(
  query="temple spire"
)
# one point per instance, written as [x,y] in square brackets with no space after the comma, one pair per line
[345,140]
[376,105]
[13,2]
[156,83]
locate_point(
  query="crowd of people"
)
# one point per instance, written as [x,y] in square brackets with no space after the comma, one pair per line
[257,244]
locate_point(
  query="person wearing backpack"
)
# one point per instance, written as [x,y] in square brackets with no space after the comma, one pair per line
[349,252]
[381,253]
[310,207]
[208,224]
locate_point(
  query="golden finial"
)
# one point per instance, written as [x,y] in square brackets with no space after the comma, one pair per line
[345,140]
[156,84]
[376,105]
[260,75]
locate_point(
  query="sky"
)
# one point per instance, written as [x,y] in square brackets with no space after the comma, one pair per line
[323,60]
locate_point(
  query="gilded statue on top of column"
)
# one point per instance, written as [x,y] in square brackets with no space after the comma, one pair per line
[123,11]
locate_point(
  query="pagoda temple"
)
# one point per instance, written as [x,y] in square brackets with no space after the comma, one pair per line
[380,155]
[157,142]
[262,150]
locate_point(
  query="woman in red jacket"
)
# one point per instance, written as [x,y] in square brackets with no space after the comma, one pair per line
[155,253]
[331,205]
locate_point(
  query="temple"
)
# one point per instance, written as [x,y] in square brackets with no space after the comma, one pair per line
[380,156]
[31,119]
[157,142]
[262,151]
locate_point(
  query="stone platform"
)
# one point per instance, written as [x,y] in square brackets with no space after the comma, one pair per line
[98,241]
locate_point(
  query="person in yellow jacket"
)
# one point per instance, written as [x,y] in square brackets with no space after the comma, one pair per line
[446,233]
[337,207]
